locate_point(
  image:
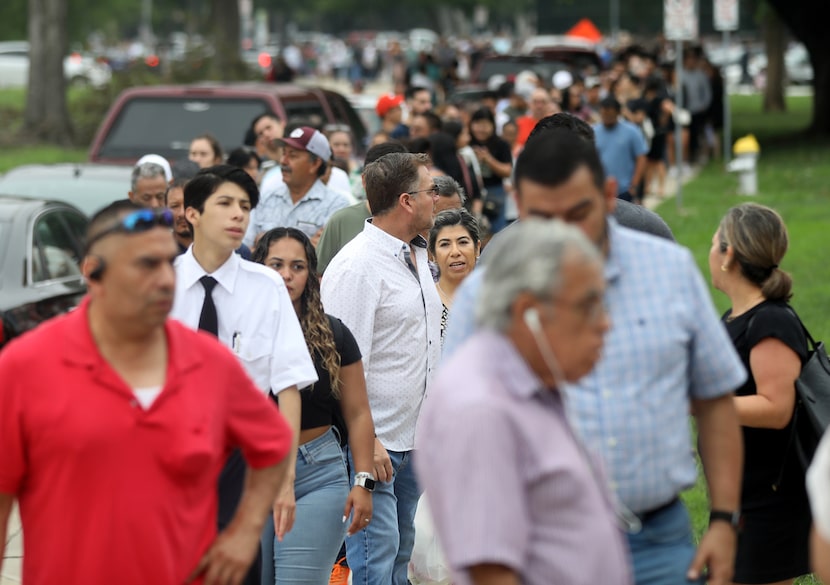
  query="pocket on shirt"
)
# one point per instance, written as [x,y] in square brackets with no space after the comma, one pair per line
[191,450]
[255,355]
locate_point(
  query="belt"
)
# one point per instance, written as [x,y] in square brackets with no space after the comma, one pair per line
[649,514]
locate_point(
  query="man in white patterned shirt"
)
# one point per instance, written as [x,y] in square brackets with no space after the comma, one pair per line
[302,200]
[381,287]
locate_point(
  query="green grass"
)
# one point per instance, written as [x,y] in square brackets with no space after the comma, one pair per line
[793,178]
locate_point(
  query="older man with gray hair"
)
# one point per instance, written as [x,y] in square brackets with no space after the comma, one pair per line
[148,185]
[451,195]
[513,495]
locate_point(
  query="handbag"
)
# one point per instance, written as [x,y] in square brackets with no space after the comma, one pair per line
[812,416]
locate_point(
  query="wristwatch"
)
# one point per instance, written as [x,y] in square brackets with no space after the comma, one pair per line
[734,518]
[365,480]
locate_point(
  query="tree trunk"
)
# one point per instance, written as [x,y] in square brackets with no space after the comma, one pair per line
[807,20]
[821,90]
[46,116]
[225,25]
[775,40]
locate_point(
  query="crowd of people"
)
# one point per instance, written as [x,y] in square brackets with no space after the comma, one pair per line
[478,313]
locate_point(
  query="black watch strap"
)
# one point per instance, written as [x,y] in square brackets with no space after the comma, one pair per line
[733,518]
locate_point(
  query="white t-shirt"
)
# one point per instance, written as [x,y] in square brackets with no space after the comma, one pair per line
[146,396]
[818,487]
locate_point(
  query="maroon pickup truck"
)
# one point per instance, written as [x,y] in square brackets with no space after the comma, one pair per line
[163,119]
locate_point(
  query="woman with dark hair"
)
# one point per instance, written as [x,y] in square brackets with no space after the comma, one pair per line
[744,260]
[496,162]
[455,244]
[246,159]
[446,159]
[338,399]
[205,151]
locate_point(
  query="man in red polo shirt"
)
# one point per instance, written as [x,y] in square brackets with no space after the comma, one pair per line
[116,421]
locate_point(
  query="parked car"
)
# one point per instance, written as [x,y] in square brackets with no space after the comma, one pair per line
[77,68]
[88,187]
[163,119]
[41,245]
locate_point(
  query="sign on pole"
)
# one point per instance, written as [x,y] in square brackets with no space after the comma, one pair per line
[679,20]
[727,16]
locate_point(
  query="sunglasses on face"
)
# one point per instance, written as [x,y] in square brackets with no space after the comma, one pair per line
[138,221]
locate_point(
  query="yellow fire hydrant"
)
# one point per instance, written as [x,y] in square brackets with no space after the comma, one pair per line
[745,163]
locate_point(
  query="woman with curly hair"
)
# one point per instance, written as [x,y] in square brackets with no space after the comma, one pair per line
[326,506]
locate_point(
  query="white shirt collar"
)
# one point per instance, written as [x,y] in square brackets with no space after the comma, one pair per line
[192,271]
[389,242]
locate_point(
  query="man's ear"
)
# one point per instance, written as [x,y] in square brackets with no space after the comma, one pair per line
[610,194]
[92,267]
[192,215]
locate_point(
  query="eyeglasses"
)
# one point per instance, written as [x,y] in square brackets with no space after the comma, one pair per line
[136,222]
[591,309]
[433,190]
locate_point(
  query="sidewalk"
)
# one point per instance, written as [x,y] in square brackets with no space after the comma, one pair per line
[652,201]
[13,556]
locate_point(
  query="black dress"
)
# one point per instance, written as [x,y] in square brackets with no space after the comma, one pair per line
[773,545]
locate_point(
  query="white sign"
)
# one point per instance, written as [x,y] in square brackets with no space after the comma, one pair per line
[726,14]
[679,20]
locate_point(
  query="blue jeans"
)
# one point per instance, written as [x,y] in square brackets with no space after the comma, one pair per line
[379,554]
[663,550]
[308,551]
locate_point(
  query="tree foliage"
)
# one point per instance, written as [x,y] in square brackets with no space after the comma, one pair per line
[807,20]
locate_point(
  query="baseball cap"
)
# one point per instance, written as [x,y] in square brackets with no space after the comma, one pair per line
[308,139]
[562,80]
[158,160]
[386,102]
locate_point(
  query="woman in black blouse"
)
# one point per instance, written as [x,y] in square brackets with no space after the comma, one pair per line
[324,499]
[747,249]
[496,163]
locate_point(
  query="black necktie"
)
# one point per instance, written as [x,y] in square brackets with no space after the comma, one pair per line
[207,319]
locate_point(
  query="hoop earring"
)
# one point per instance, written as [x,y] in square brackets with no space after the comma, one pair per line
[723,268]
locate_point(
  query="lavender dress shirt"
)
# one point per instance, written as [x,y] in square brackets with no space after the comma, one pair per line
[506,481]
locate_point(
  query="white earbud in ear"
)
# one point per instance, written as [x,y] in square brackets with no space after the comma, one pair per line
[531,319]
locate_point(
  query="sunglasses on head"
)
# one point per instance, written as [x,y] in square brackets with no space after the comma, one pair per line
[136,222]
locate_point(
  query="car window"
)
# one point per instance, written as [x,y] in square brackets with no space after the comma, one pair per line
[55,250]
[305,113]
[344,114]
[166,126]
[76,223]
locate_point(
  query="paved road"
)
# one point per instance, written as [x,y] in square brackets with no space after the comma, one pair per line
[13,556]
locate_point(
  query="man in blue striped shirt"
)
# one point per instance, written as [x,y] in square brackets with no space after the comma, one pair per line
[665,355]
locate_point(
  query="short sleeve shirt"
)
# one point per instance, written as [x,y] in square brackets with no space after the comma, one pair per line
[111,492]
[319,405]
[765,450]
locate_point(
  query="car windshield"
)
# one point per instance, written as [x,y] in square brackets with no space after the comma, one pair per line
[166,126]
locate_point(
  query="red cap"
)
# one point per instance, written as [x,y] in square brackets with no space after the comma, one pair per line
[387,102]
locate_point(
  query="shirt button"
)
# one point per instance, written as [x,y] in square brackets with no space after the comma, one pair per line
[612,442]
[134,403]
[613,485]
[606,394]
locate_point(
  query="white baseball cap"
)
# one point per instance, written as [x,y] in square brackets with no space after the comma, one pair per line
[159,160]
